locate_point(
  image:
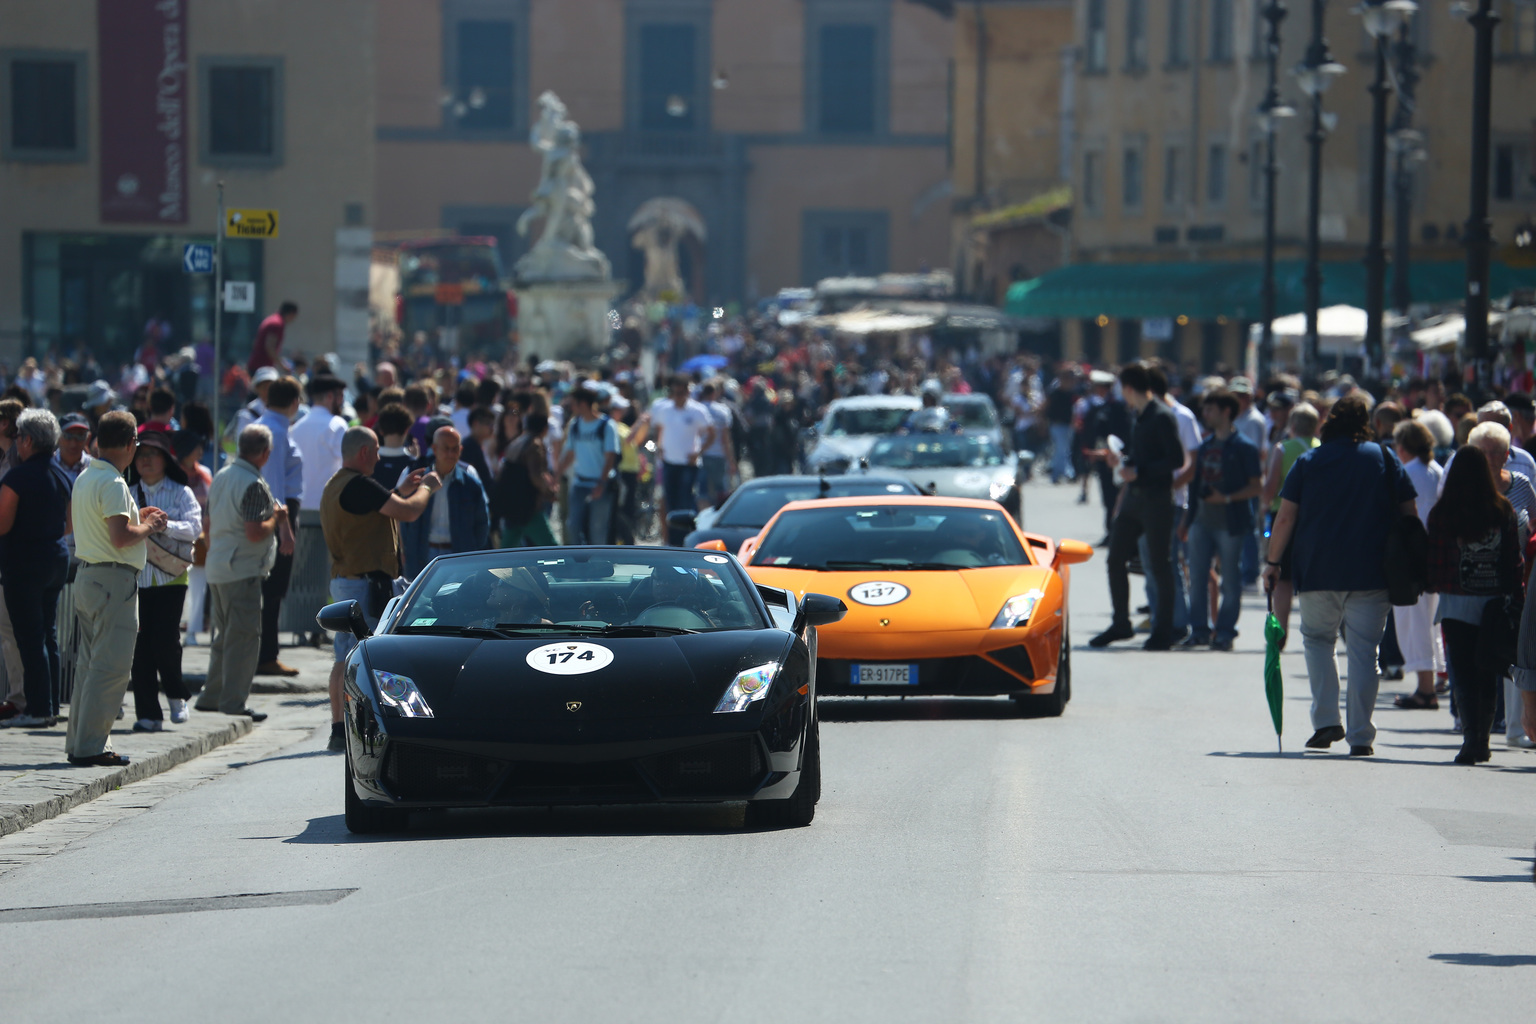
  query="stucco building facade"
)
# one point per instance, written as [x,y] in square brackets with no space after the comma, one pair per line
[810,135]
[117,120]
[1167,163]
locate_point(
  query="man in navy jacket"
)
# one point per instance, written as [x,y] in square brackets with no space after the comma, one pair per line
[457,518]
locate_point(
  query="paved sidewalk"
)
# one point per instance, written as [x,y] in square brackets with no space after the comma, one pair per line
[37,783]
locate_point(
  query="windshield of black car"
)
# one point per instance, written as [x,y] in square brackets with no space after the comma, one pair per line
[975,414]
[754,506]
[894,536]
[935,451]
[664,588]
[876,420]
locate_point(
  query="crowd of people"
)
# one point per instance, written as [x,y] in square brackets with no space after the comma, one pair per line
[1209,484]
[1403,525]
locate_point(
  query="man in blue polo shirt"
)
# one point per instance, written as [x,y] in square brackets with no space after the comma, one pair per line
[591,452]
[1226,479]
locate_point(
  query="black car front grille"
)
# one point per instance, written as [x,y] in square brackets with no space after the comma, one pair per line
[591,781]
[724,768]
[415,772]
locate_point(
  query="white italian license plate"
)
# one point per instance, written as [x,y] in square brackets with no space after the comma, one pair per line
[885,675]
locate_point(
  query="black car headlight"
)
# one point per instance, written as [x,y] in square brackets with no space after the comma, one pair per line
[747,688]
[1016,611]
[399,696]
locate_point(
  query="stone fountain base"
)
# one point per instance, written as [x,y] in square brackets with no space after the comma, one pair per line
[565,320]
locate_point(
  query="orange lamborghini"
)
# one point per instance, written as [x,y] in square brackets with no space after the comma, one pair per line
[945,596]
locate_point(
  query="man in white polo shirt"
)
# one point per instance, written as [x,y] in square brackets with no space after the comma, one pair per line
[683,428]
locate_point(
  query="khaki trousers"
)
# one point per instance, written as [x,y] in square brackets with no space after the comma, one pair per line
[10,660]
[232,654]
[107,605]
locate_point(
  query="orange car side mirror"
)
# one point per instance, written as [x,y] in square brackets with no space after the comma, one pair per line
[1070,552]
[712,545]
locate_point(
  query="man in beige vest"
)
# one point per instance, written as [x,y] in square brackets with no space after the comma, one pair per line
[242,521]
[109,541]
[361,519]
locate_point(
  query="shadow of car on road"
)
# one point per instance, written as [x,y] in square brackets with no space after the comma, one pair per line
[1486,959]
[543,822]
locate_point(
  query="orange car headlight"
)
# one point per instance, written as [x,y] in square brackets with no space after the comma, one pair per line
[1017,610]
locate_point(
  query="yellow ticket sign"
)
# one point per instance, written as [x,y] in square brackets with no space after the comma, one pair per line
[250,224]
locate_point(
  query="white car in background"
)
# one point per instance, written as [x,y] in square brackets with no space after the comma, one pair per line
[850,426]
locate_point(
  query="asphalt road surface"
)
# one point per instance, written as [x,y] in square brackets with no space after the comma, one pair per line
[1146,857]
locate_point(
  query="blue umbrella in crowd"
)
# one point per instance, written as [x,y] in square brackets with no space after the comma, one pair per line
[704,362]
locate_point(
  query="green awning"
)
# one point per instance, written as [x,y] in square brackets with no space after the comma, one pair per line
[1207,290]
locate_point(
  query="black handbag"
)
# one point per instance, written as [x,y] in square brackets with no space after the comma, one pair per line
[1405,562]
[1499,635]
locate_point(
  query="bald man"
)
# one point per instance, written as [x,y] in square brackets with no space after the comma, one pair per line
[457,517]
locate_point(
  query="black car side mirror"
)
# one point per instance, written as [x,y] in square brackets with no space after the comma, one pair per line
[822,609]
[684,520]
[344,617]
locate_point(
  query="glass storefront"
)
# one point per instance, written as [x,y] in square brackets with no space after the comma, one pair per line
[98,292]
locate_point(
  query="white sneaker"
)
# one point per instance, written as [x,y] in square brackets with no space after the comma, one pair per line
[178,711]
[148,725]
[1520,742]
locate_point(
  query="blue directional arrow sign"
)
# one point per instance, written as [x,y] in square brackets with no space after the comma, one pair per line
[197,258]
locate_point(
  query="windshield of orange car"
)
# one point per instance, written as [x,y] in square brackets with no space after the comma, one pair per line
[754,506]
[891,537]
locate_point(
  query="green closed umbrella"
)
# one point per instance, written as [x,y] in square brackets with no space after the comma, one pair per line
[1274,635]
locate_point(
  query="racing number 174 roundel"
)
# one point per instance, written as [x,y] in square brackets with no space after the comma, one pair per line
[570,658]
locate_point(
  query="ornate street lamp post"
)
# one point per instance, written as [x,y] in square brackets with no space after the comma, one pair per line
[1315,74]
[1479,230]
[1271,110]
[1382,19]
[1407,150]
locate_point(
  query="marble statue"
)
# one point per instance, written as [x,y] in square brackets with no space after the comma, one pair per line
[563,200]
[657,228]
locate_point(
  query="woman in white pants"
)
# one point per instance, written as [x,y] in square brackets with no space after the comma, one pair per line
[1417,635]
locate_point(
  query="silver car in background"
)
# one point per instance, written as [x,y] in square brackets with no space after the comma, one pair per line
[953,465]
[850,426]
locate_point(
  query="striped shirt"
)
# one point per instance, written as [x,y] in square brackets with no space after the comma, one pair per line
[184,521]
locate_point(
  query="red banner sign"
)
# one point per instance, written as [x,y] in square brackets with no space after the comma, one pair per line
[142,47]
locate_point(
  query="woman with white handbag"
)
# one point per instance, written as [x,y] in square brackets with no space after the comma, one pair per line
[156,479]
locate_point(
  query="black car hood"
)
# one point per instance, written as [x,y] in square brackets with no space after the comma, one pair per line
[488,684]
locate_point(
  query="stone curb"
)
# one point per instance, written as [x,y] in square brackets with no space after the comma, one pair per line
[15,817]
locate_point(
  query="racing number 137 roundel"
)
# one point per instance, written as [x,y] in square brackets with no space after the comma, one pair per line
[879,592]
[570,658]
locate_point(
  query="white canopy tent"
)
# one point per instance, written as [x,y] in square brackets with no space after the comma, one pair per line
[1340,330]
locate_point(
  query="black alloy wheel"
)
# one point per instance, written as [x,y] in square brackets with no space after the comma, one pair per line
[364,820]
[799,809]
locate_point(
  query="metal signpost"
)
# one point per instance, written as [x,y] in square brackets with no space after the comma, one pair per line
[216,443]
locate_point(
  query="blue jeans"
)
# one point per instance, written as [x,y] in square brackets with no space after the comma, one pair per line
[1251,554]
[1204,547]
[1061,452]
[587,521]
[678,482]
[712,480]
[1180,588]
[344,589]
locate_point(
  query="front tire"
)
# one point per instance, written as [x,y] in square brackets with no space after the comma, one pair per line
[800,808]
[1051,705]
[364,820]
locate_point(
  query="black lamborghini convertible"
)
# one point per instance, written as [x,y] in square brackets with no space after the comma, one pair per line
[583,675]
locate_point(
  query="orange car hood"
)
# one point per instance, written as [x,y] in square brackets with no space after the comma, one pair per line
[938,600]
